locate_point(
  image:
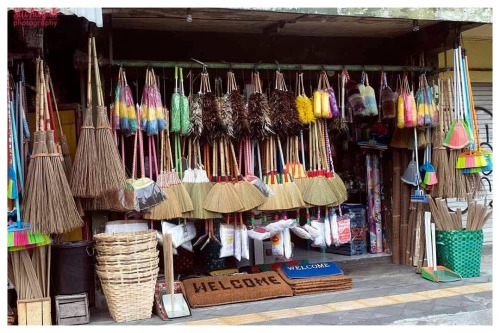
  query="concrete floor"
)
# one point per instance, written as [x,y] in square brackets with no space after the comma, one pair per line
[375,279]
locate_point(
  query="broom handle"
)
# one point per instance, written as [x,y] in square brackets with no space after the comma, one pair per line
[96,74]
[221,153]
[89,75]
[473,108]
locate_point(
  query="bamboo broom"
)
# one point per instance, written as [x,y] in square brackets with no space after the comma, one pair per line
[85,181]
[111,173]
[396,206]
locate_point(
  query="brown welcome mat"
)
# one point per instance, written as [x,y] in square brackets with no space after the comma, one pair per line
[217,290]
[317,285]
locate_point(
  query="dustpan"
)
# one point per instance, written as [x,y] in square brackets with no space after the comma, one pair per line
[175,304]
[433,272]
[410,176]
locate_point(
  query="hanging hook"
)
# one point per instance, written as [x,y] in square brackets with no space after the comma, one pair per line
[277,63]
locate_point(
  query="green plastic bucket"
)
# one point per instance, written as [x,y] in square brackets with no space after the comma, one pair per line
[460,251]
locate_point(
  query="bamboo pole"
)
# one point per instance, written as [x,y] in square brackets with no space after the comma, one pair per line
[396,205]
[405,211]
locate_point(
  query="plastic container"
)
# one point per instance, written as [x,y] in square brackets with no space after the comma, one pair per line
[460,251]
[72,269]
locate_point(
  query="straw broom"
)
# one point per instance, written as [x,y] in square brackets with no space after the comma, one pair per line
[85,181]
[278,201]
[249,195]
[111,173]
[223,197]
[292,190]
[177,187]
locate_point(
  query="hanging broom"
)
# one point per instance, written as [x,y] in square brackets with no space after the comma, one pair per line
[369,97]
[184,109]
[111,172]
[388,99]
[457,137]
[85,182]
[292,190]
[226,110]
[335,182]
[196,111]
[175,106]
[249,195]
[213,128]
[259,112]
[223,197]
[178,189]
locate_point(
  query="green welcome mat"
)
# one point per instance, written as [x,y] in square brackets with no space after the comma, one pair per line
[217,290]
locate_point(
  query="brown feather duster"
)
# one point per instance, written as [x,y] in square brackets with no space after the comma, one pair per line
[279,113]
[227,115]
[240,115]
[258,116]
[211,115]
[295,123]
[354,98]
[196,120]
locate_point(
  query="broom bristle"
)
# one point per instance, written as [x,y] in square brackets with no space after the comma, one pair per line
[84,175]
[68,164]
[167,209]
[338,186]
[183,198]
[196,119]
[223,198]
[68,213]
[240,115]
[295,196]
[400,138]
[227,116]
[440,162]
[198,192]
[259,117]
[111,173]
[303,184]
[319,192]
[457,137]
[278,201]
[249,195]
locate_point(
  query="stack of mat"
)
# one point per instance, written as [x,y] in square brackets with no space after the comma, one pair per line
[314,285]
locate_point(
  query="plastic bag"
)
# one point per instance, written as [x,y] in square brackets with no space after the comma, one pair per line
[263,187]
[277,244]
[319,225]
[245,247]
[301,232]
[287,243]
[181,233]
[227,240]
[312,231]
[237,242]
[328,234]
[344,226]
[259,233]
[334,228]
[144,193]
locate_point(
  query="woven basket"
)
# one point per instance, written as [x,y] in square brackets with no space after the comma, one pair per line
[128,268]
[460,251]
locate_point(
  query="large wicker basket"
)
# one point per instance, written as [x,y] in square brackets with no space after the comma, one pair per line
[128,268]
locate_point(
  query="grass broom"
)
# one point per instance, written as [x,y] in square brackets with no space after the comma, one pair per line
[292,190]
[85,181]
[111,173]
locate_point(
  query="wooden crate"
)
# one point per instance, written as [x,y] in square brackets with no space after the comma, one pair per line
[34,312]
[72,309]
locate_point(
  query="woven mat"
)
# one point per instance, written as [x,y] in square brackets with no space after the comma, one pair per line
[217,290]
[317,285]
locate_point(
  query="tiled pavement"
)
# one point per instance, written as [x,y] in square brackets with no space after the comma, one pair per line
[382,294]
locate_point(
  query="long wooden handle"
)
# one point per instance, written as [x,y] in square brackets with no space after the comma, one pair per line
[89,77]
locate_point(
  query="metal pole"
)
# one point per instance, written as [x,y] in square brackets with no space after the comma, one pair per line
[221,65]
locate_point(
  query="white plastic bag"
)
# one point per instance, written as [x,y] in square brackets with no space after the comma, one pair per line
[344,223]
[181,233]
[227,240]
[328,233]
[301,232]
[259,233]
[245,248]
[237,242]
[335,228]
[287,243]
[277,244]
[319,225]
[312,231]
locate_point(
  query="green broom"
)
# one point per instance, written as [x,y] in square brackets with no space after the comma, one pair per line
[175,106]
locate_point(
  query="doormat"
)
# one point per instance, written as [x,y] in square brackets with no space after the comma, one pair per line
[316,285]
[217,290]
[321,269]
[271,267]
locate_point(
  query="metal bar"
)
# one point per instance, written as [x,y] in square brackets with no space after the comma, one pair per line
[221,65]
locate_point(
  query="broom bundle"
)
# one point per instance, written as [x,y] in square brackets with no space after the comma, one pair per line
[387,98]
[368,94]
[196,110]
[152,117]
[124,113]
[334,180]
[241,126]
[259,112]
[226,108]
[184,108]
[279,108]
[85,182]
[111,172]
[213,127]
[303,103]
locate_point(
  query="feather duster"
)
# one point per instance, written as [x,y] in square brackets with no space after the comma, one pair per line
[388,100]
[279,113]
[258,116]
[295,123]
[226,115]
[240,115]
[305,109]
[196,119]
[211,115]
[354,98]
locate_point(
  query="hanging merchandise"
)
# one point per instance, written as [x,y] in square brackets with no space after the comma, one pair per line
[354,98]
[213,125]
[319,225]
[388,98]
[153,119]
[281,111]
[240,113]
[334,108]
[175,106]
[321,98]
[344,228]
[196,111]
[409,104]
[426,108]
[223,196]
[368,94]
[342,123]
[303,103]
[124,113]
[334,227]
[184,109]
[474,160]
[227,235]
[457,136]
[328,231]
[111,172]
[48,204]
[85,182]
[226,109]
[428,172]
[334,180]
[237,241]
[410,176]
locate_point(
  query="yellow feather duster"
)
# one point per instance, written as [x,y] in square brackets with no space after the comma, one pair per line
[317,104]
[401,112]
[305,109]
[325,104]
